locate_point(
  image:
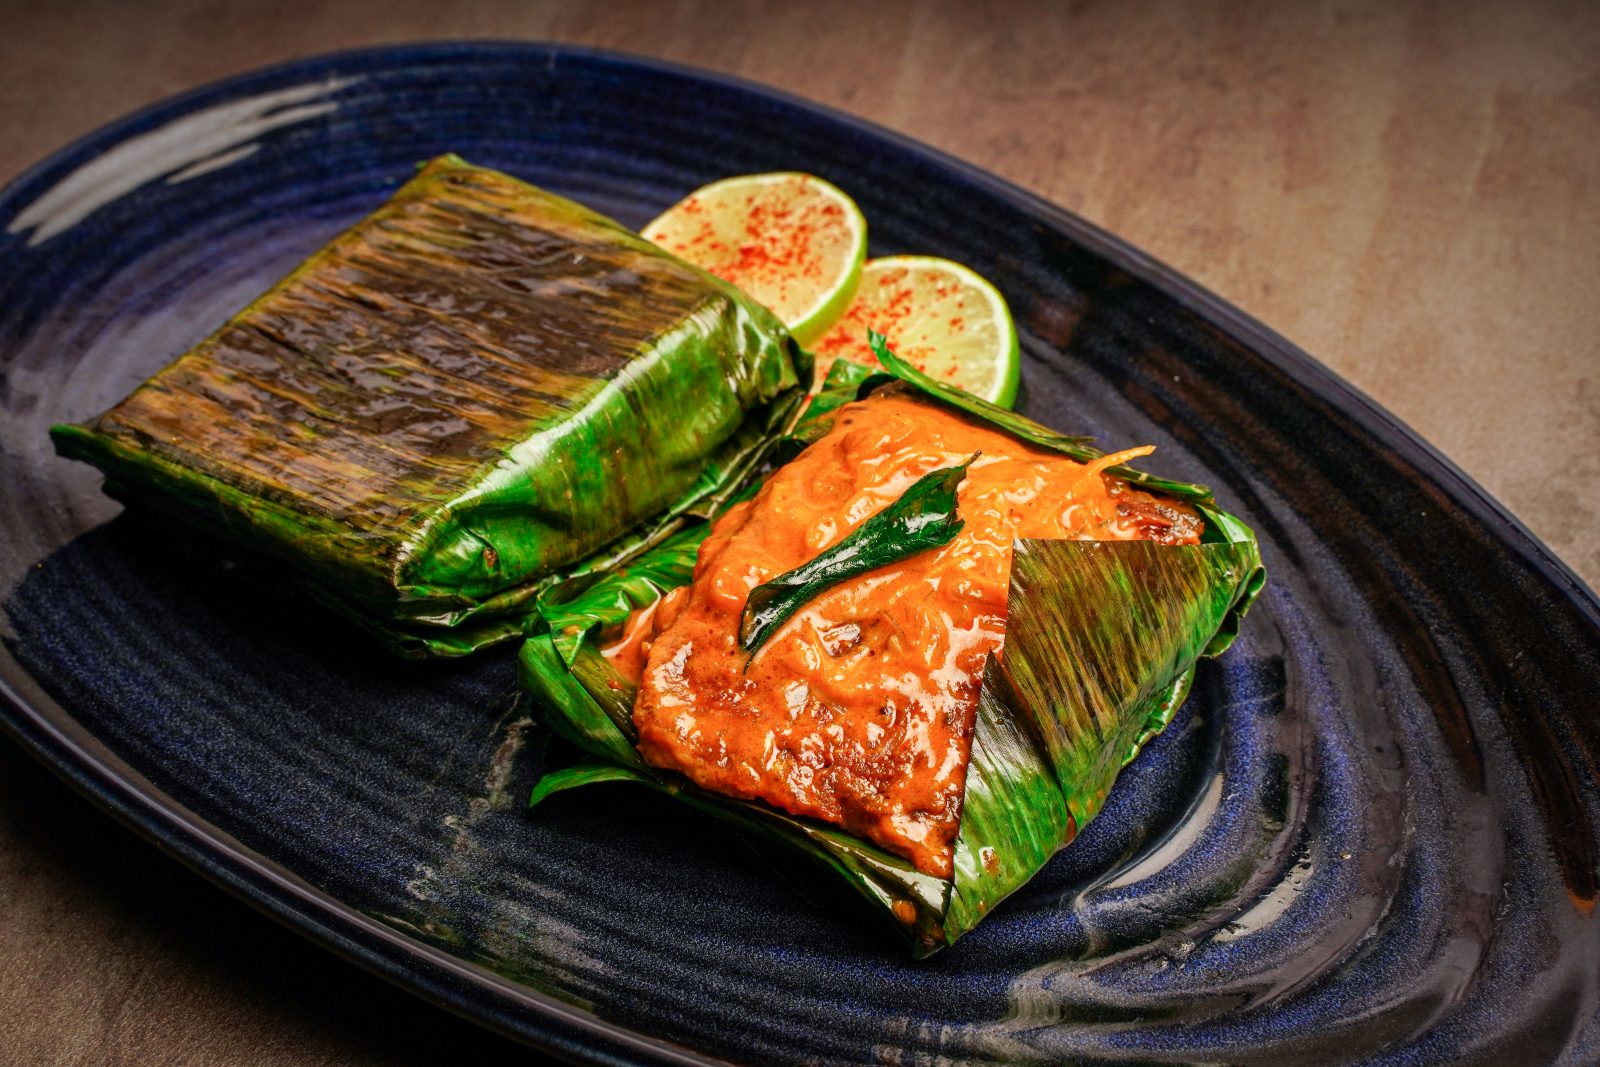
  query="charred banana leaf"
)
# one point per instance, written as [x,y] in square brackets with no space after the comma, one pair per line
[1101,644]
[476,389]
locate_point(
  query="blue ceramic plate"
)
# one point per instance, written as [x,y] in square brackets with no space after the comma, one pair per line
[1370,835]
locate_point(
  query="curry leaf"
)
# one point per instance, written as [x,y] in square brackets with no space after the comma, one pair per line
[924,517]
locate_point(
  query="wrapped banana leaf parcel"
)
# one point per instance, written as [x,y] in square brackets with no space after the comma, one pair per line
[475,391]
[920,654]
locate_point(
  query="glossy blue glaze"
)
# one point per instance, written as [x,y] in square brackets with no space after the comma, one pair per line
[1370,835]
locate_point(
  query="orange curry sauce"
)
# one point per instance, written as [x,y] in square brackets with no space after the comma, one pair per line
[858,711]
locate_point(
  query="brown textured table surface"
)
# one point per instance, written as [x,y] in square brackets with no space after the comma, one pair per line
[1409,192]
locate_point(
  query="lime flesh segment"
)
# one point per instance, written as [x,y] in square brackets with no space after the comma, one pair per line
[944,318]
[794,242]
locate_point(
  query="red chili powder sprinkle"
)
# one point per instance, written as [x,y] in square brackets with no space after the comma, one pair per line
[778,245]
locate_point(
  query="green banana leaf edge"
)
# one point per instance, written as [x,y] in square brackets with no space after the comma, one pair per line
[1102,640]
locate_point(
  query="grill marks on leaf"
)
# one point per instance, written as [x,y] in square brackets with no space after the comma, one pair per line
[412,352]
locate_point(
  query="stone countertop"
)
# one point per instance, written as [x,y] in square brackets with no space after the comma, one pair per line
[1410,192]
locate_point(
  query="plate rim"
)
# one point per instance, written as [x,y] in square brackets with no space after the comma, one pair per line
[47,731]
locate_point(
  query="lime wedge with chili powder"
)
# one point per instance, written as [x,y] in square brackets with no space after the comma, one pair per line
[943,317]
[792,241]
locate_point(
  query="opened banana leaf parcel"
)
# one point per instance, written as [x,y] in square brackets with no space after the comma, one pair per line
[920,654]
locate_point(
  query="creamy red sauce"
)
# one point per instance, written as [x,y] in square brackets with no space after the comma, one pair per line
[858,711]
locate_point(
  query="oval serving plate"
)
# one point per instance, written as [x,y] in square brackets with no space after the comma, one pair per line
[1370,835]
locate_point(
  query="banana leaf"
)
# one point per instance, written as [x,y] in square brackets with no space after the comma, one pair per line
[1101,644]
[477,391]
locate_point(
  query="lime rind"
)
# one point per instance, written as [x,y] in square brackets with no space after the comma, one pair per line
[818,322]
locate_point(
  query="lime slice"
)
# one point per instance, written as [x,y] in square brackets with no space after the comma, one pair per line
[792,241]
[942,317]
